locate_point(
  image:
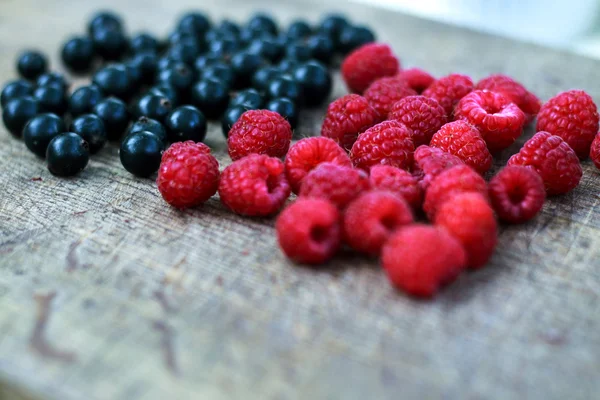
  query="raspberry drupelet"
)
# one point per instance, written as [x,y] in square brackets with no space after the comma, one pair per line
[368,63]
[259,132]
[422,115]
[398,181]
[346,118]
[385,92]
[595,151]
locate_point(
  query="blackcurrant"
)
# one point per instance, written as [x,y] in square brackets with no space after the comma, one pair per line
[165,90]
[298,51]
[91,128]
[321,48]
[231,115]
[15,90]
[31,64]
[143,43]
[153,106]
[140,153]
[225,46]
[298,30]
[264,23]
[180,77]
[285,87]
[115,116]
[196,22]
[250,98]
[316,82]
[211,96]
[40,130]
[286,108]
[113,80]
[110,44]
[332,25]
[185,51]
[84,99]
[352,37]
[78,54]
[287,66]
[227,27]
[147,64]
[186,123]
[18,112]
[105,20]
[262,77]
[244,65]
[268,48]
[219,71]
[67,154]
[149,125]
[206,60]
[53,79]
[51,99]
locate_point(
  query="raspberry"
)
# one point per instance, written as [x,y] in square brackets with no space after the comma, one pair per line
[371,219]
[336,183]
[422,115]
[595,151]
[387,143]
[399,181]
[465,142]
[419,259]
[517,194]
[429,162]
[254,185]
[368,63]
[553,160]
[309,231]
[573,116]
[188,174]
[470,219]
[346,118]
[516,93]
[259,132]
[449,90]
[385,92]
[499,121]
[416,79]
[307,153]
[451,182]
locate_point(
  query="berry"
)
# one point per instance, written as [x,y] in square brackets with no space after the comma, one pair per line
[110,44]
[78,54]
[167,91]
[398,181]
[113,80]
[422,115]
[573,116]
[595,151]
[388,143]
[144,43]
[315,83]
[141,153]
[449,183]
[298,30]
[14,90]
[346,118]
[337,183]
[153,106]
[449,90]
[553,159]
[367,64]
[308,153]
[517,194]
[230,116]
[52,79]
[149,125]
[67,154]
[470,219]
[499,121]
[321,47]
[371,219]
[244,65]
[298,51]
[225,46]
[514,91]
[286,108]
[196,22]
[31,64]
[188,174]
[287,66]
[264,23]
[105,20]
[205,60]
[115,116]
[309,231]
[227,28]
[262,77]
[260,132]
[352,37]
[419,259]
[266,47]
[91,128]
[40,130]
[186,123]
[465,142]
[285,87]
[429,162]
[146,65]
[180,77]
[18,112]
[254,186]
[51,99]
[84,99]
[416,79]
[250,98]
[385,92]
[185,51]
[332,25]
[210,96]
[219,71]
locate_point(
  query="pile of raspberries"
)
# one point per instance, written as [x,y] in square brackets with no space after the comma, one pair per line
[402,149]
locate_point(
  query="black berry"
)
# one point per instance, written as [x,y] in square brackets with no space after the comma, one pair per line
[153,106]
[219,71]
[84,99]
[231,115]
[244,65]
[321,48]
[298,51]
[262,77]
[67,154]
[205,60]
[147,65]
[263,23]
[287,66]
[110,44]
[352,37]
[18,112]
[105,20]
[32,64]
[140,153]
[286,108]
[165,90]
[166,63]
[115,116]
[91,128]
[332,25]
[144,43]
[225,46]
[52,79]
[268,48]
[249,98]
[113,80]
[211,96]
[78,54]
[299,30]
[40,130]
[180,77]
[149,125]
[51,99]
[316,82]
[195,22]
[227,27]
[285,87]
[184,51]
[15,90]
[186,123]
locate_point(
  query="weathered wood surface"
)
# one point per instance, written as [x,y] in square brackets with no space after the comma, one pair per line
[107,293]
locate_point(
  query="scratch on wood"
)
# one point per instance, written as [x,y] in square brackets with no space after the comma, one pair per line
[80,212]
[161,297]
[72,261]
[166,344]
[37,179]
[38,341]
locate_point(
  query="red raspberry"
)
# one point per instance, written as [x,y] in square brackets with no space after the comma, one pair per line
[259,132]
[573,116]
[346,118]
[307,153]
[385,92]
[416,79]
[516,93]
[388,143]
[517,194]
[499,121]
[451,182]
[553,159]
[372,218]
[449,90]
[338,184]
[399,181]
[419,259]
[429,162]
[188,174]
[254,185]
[470,219]
[309,231]
[595,151]
[368,63]
[465,142]
[422,115]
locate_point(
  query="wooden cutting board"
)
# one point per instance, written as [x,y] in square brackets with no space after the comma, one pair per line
[108,293]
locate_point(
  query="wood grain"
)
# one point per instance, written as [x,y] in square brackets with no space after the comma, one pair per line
[146,302]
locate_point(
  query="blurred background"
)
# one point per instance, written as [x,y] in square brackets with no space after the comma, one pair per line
[568,24]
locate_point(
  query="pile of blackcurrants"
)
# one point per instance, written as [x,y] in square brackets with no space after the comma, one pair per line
[152,91]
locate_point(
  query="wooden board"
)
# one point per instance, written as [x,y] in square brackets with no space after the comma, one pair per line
[107,293]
